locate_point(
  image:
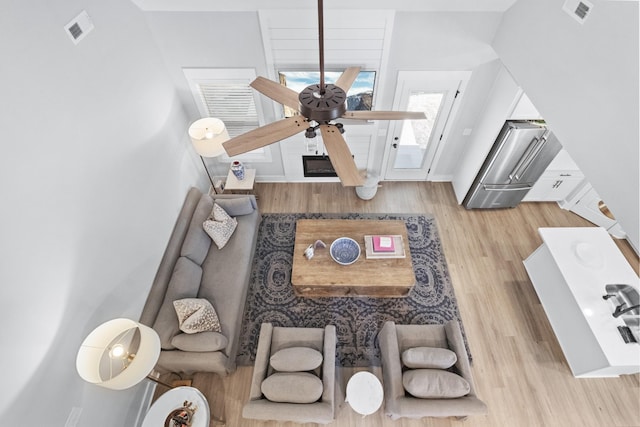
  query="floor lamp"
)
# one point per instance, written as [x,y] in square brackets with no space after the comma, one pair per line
[207,135]
[119,354]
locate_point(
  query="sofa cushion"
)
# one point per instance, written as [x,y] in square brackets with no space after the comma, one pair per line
[196,315]
[428,357]
[237,206]
[200,342]
[434,384]
[292,387]
[295,359]
[184,283]
[196,242]
[219,226]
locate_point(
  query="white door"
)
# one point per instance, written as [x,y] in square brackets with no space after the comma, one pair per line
[412,144]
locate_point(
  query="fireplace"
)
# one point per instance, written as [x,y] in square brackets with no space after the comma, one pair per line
[317,166]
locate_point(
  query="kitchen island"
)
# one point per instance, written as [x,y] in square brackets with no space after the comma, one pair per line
[569,272]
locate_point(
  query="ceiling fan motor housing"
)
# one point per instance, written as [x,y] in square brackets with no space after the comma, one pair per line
[322,107]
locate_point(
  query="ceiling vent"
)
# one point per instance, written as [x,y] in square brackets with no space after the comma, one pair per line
[578,9]
[79,27]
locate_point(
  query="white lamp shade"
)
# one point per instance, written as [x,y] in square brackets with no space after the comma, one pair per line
[95,365]
[207,136]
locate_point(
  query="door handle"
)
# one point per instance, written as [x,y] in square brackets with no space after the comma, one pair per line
[525,161]
[509,187]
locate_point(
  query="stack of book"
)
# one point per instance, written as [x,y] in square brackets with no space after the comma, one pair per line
[384,246]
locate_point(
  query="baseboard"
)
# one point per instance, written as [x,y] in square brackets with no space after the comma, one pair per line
[440,178]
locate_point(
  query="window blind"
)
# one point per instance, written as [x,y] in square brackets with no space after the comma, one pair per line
[233,103]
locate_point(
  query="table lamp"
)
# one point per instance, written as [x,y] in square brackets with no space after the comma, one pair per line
[119,354]
[207,135]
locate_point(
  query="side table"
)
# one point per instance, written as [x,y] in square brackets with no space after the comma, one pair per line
[245,186]
[364,393]
[174,399]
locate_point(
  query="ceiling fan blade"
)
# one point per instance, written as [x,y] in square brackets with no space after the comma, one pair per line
[347,78]
[277,92]
[265,135]
[384,115]
[340,156]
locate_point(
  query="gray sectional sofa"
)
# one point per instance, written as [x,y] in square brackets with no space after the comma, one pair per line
[193,267]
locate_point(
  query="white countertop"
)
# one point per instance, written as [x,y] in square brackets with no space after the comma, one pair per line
[588,260]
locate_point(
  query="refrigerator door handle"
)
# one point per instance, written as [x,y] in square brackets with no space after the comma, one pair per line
[511,187]
[527,158]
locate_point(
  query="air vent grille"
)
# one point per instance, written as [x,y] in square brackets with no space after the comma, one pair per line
[582,10]
[79,27]
[578,9]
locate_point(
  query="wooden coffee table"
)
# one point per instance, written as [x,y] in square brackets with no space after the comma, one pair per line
[321,276]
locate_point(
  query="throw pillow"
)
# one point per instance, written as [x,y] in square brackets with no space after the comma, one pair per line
[200,342]
[236,206]
[434,384]
[295,359]
[292,387]
[428,357]
[196,315]
[219,226]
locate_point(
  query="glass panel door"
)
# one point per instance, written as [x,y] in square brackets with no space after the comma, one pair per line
[412,144]
[416,134]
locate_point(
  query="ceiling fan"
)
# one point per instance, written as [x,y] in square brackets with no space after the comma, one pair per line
[320,103]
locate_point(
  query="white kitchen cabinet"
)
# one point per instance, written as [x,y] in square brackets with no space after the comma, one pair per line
[561,177]
[554,186]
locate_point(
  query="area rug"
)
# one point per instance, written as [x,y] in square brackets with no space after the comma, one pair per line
[357,320]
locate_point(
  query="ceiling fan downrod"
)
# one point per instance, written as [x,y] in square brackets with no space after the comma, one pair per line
[321,44]
[322,102]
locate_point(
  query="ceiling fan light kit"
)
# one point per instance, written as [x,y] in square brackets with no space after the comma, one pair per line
[321,103]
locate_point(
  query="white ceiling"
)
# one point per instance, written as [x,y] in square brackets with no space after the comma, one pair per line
[254,5]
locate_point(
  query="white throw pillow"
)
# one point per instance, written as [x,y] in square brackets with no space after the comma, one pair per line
[296,359]
[428,357]
[196,315]
[219,226]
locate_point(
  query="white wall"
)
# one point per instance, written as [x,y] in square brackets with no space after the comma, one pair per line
[94,168]
[584,81]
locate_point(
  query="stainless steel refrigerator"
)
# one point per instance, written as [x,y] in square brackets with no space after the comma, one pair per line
[520,154]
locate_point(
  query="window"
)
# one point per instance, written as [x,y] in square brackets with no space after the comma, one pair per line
[359,97]
[226,95]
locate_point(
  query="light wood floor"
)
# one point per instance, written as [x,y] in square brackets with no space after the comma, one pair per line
[518,366]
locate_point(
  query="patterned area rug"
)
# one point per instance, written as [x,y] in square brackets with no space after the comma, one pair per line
[357,320]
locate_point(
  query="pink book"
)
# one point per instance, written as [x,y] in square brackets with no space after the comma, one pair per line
[383,244]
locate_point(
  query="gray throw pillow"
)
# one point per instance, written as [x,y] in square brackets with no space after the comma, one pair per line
[200,342]
[428,357]
[236,206]
[295,359]
[434,384]
[292,387]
